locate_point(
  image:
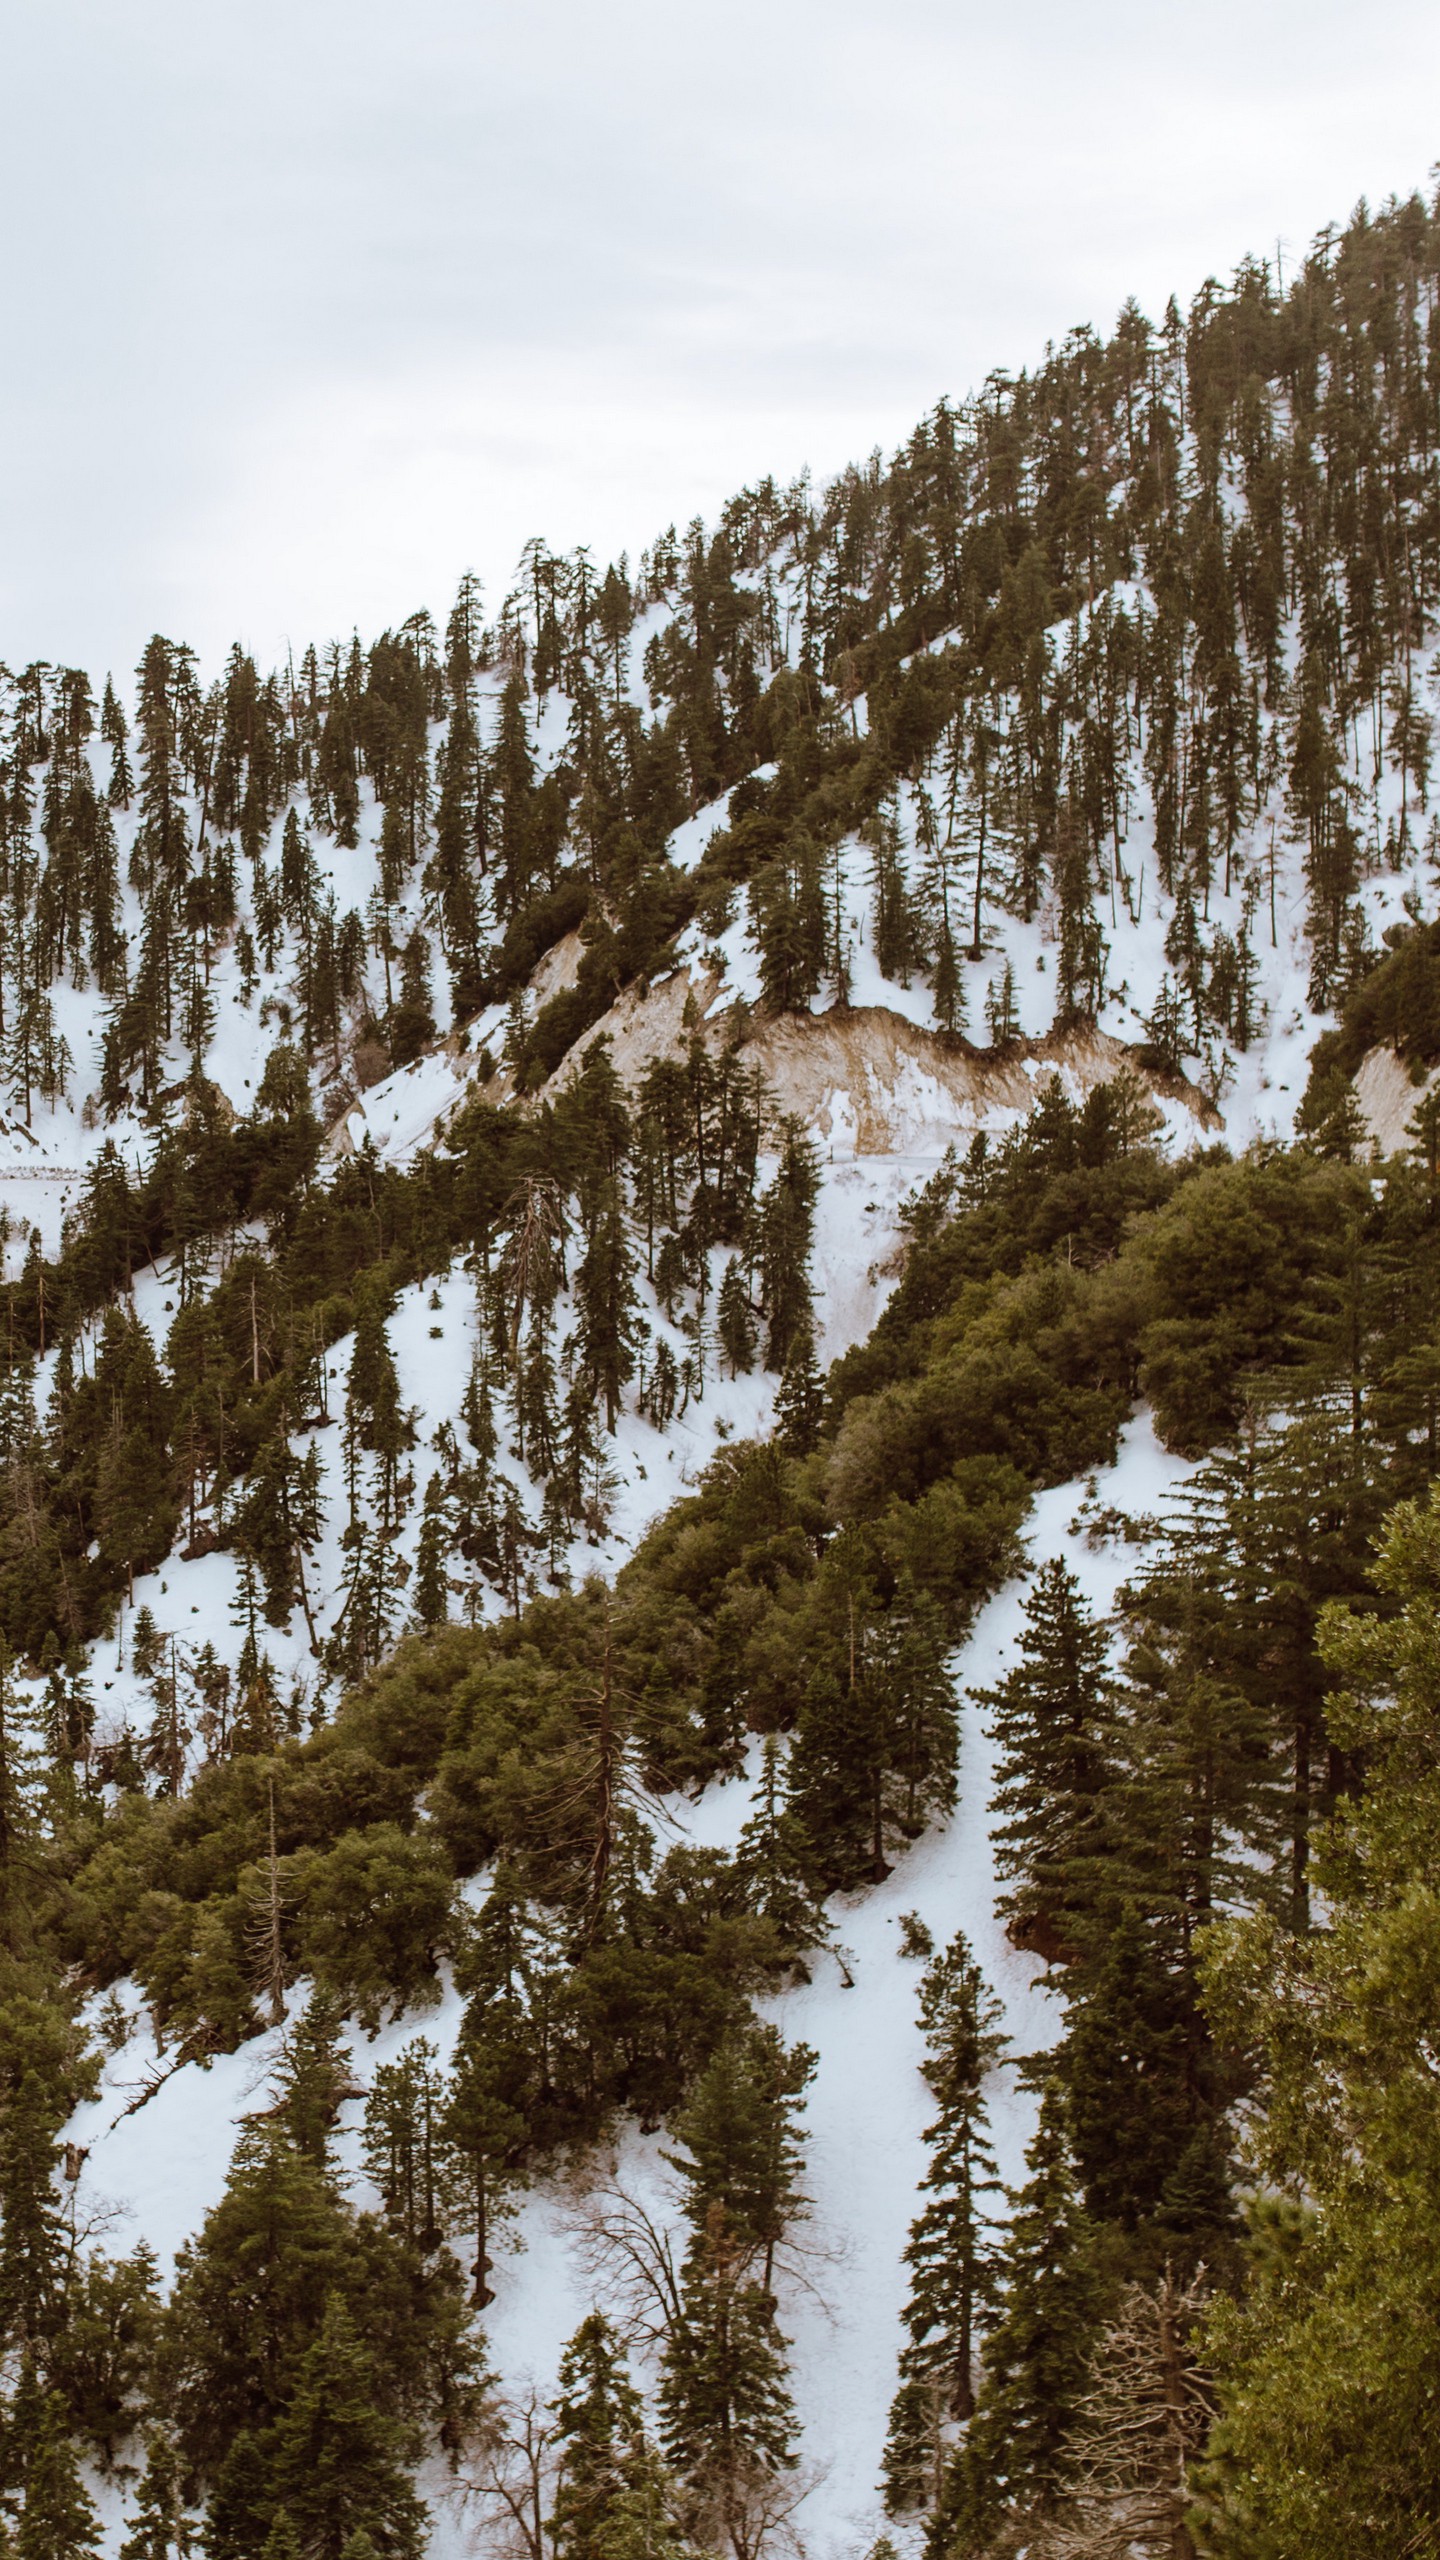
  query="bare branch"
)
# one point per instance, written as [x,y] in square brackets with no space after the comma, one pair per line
[630,2258]
[506,2470]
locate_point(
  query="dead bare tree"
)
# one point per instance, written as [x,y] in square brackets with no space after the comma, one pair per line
[1141,2422]
[507,2469]
[628,2253]
[154,2077]
[266,1924]
[753,2512]
[532,1262]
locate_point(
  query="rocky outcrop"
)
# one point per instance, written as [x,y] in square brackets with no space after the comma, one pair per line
[864,1080]
[1388,1093]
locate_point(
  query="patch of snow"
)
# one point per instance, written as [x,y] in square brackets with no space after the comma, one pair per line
[865,2114]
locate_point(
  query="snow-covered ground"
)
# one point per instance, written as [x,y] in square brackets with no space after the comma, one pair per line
[161,2168]
[432,1333]
[1256,1091]
[881,1105]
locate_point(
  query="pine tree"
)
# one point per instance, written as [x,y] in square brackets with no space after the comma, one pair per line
[725,2406]
[735,1322]
[909,1663]
[485,2127]
[1081,961]
[280,1522]
[402,2142]
[477,1411]
[741,2146]
[800,1399]
[1035,2361]
[159,2528]
[606,1303]
[897,943]
[375,1418]
[281,2228]
[787,909]
[1328,2367]
[33,2242]
[1002,1015]
[939,881]
[166,680]
[606,2478]
[19,1811]
[135,1509]
[536,1428]
[772,1858]
[339,2464]
[875,1746]
[1141,2081]
[1224,1727]
[513,1537]
[591,1809]
[951,2252]
[432,1558]
[835,1779]
[1330,1120]
[266,1918]
[364,1629]
[512,782]
[787,1220]
[115,729]
[313,2078]
[58,2520]
[1047,1716]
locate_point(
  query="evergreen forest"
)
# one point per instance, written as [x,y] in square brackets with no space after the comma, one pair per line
[667,1248]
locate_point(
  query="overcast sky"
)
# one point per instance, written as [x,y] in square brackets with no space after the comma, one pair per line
[307,305]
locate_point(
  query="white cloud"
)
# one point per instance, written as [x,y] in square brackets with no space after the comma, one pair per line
[306,306]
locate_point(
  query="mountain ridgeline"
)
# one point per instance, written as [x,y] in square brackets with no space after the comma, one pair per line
[1090,741]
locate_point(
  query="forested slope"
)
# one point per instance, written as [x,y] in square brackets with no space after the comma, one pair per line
[470,1100]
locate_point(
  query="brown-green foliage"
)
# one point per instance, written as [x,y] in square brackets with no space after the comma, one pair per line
[1329,2367]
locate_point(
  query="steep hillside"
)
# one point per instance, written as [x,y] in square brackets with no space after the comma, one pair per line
[633,1234]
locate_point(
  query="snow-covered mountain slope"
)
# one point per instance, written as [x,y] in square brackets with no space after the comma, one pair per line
[879,1091]
[455,1089]
[158,2167]
[867,1069]
[433,1331]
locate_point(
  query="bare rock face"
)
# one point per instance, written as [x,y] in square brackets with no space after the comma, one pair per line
[1388,1096]
[864,1080]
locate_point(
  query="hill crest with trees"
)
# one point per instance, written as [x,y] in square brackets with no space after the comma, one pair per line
[476,1395]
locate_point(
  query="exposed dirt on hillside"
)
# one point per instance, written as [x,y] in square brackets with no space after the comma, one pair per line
[862,1079]
[1389,1097]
